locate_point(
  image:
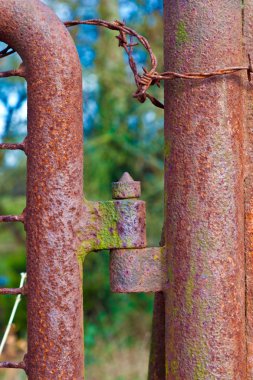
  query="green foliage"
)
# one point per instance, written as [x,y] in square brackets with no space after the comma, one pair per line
[111,316]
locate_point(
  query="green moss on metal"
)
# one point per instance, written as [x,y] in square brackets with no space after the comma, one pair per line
[166,369]
[101,228]
[181,33]
[82,252]
[174,368]
[204,241]
[198,349]
[201,373]
[109,231]
[192,204]
[200,370]
[167,148]
[189,289]
[170,274]
[103,222]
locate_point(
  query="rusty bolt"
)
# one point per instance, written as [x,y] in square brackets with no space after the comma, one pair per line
[126,188]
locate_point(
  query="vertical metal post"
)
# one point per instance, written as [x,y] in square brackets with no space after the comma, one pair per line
[248,188]
[54,188]
[156,370]
[205,291]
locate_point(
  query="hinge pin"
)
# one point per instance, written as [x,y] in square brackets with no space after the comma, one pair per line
[126,188]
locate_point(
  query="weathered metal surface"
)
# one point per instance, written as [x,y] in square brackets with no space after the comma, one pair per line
[116,224]
[156,370]
[137,270]
[54,188]
[248,188]
[13,291]
[112,224]
[205,296]
[126,188]
[20,365]
[157,352]
[12,218]
[20,146]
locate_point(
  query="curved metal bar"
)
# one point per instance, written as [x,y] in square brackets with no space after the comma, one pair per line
[54,187]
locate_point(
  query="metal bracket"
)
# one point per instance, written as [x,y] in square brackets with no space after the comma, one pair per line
[120,226]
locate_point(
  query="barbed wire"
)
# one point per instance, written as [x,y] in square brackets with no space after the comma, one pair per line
[149,77]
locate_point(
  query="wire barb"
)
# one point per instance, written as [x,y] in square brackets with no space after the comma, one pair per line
[6,51]
[149,77]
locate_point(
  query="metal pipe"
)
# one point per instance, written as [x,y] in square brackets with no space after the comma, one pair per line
[248,188]
[54,188]
[156,370]
[204,235]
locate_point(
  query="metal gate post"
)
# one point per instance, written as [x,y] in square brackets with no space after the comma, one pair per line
[54,148]
[248,188]
[205,291]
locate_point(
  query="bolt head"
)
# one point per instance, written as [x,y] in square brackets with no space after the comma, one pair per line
[126,188]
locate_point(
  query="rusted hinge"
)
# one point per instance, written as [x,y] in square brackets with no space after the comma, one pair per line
[120,226]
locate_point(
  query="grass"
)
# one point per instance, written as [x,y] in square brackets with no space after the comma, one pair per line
[112,362]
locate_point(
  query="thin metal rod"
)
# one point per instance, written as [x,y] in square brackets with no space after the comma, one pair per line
[13,291]
[8,146]
[11,73]
[20,365]
[17,301]
[11,218]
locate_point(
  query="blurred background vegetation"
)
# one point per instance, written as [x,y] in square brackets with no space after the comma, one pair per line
[120,135]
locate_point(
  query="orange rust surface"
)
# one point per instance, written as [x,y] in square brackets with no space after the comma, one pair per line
[248,188]
[204,235]
[54,188]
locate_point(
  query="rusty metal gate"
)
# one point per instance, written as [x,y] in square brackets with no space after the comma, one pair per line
[203,273]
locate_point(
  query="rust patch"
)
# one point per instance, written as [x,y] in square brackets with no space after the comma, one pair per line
[248,190]
[137,270]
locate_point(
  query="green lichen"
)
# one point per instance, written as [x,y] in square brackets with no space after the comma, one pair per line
[82,252]
[170,274]
[198,354]
[201,373]
[109,231]
[181,33]
[166,369]
[174,368]
[197,348]
[189,290]
[167,148]
[204,241]
[101,228]
[192,204]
